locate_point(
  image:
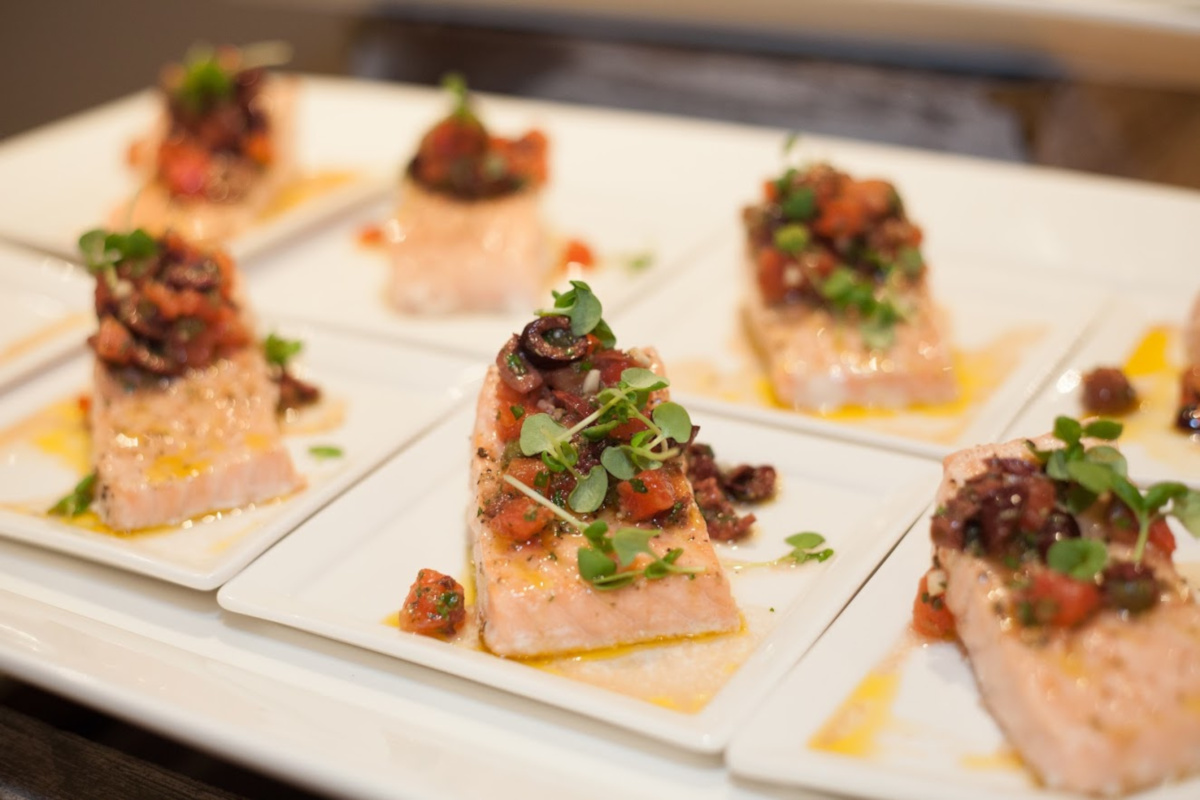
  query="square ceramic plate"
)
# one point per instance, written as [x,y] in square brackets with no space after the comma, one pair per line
[376,397]
[67,177]
[45,312]
[345,574]
[1141,334]
[1009,331]
[873,712]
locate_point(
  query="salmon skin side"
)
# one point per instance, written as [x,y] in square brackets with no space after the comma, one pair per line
[208,222]
[453,255]
[532,601]
[169,449]
[818,362]
[1109,707]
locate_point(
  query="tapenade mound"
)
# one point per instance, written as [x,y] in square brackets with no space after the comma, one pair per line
[838,303]
[1056,575]
[468,233]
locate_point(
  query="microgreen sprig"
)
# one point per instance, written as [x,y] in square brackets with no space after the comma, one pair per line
[845,290]
[580,305]
[542,435]
[1093,471]
[456,85]
[606,562]
[806,546]
[79,499]
[102,250]
[279,351]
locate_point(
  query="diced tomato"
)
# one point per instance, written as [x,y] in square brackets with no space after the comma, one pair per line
[370,235]
[530,471]
[435,605]
[1161,538]
[1059,600]
[183,168]
[874,195]
[511,412]
[576,253]
[85,403]
[258,147]
[930,617]
[520,519]
[841,216]
[771,264]
[648,493]
[770,191]
[625,431]
[611,364]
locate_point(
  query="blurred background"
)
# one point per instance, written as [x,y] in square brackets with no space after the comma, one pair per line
[1106,86]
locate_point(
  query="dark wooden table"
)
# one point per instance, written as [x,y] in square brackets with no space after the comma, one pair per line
[51,747]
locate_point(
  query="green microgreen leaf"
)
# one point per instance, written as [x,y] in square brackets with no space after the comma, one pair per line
[1096,478]
[1067,430]
[789,142]
[325,451]
[1106,429]
[799,204]
[584,310]
[78,501]
[1081,559]
[1162,493]
[456,85]
[643,379]
[637,262]
[595,532]
[588,494]
[909,261]
[618,462]
[628,543]
[792,238]
[674,421]
[1186,509]
[594,565]
[1109,457]
[804,548]
[540,434]
[280,351]
[1129,495]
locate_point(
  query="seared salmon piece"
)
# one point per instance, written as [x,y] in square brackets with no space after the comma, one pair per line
[818,362]
[453,255]
[176,448]
[209,182]
[838,301]
[1106,705]
[530,596]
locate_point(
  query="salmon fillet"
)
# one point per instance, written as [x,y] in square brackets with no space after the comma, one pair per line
[467,255]
[175,448]
[154,209]
[1107,707]
[815,361]
[532,601]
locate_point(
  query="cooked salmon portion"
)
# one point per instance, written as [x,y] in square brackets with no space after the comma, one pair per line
[211,221]
[467,255]
[175,448]
[818,362]
[532,600]
[1108,706]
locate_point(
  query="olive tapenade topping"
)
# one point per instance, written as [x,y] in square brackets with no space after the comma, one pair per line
[717,488]
[825,239]
[219,134]
[163,306]
[459,158]
[1023,515]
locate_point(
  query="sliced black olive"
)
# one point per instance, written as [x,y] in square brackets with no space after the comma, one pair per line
[549,343]
[515,370]
[1188,419]
[1130,587]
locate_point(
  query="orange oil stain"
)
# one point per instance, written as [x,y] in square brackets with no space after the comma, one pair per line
[305,189]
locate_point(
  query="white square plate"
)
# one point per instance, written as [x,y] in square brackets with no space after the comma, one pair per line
[67,177]
[911,725]
[376,397]
[346,572]
[1008,331]
[45,312]
[1141,333]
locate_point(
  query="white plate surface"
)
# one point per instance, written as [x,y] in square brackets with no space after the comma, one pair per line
[377,396]
[45,312]
[916,729]
[1009,331]
[1142,334]
[66,178]
[348,569]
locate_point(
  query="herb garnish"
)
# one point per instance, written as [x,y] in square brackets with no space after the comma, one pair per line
[1094,471]
[205,82]
[845,289]
[806,546]
[583,308]
[596,563]
[543,435]
[78,501]
[280,351]
[102,250]
[456,85]
[325,451]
